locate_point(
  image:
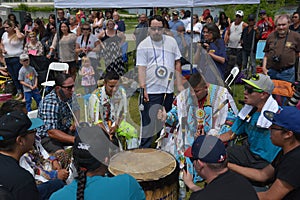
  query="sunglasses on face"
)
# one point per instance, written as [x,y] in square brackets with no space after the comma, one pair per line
[25,60]
[70,87]
[156,28]
[238,16]
[85,29]
[250,90]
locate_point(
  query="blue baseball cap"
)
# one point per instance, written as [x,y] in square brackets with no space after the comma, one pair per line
[16,123]
[287,117]
[207,148]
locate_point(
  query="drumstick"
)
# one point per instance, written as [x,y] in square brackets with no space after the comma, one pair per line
[169,81]
[221,106]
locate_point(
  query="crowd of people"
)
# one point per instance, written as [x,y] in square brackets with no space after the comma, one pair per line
[246,154]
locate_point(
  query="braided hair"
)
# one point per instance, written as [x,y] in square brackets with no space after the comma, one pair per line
[81,181]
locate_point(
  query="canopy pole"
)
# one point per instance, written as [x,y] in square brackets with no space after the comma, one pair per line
[253,38]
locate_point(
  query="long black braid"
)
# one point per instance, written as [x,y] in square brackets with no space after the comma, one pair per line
[81,181]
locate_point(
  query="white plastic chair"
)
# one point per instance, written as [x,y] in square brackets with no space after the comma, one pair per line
[233,73]
[55,66]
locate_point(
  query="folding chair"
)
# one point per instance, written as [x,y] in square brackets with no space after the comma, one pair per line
[231,77]
[55,66]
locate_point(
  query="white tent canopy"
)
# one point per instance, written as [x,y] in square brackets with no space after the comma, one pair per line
[145,3]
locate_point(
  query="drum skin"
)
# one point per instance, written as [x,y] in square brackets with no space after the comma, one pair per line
[156,171]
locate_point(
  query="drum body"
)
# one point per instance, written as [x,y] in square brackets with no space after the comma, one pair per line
[156,171]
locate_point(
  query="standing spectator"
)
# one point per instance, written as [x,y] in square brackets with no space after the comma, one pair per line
[175,22]
[112,40]
[281,51]
[58,129]
[33,47]
[86,45]
[98,23]
[17,134]
[87,72]
[39,29]
[209,158]
[28,77]
[186,19]
[12,48]
[197,29]
[61,16]
[265,24]
[233,40]
[284,170]
[74,26]
[48,39]
[209,19]
[158,57]
[296,22]
[183,41]
[215,46]
[247,41]
[12,17]
[223,23]
[141,30]
[202,18]
[51,20]
[28,27]
[1,28]
[119,24]
[67,46]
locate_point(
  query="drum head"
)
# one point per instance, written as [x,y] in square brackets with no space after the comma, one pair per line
[143,164]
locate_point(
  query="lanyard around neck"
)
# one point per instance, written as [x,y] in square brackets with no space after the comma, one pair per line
[163,52]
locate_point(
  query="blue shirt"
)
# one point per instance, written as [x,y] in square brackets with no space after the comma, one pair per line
[258,138]
[219,47]
[173,25]
[98,187]
[55,113]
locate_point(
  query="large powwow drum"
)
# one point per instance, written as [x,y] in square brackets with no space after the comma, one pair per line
[156,171]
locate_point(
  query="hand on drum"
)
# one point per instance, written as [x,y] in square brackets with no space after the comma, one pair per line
[162,114]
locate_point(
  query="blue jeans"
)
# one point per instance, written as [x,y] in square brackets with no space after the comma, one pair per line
[151,126]
[35,94]
[285,75]
[13,66]
[49,187]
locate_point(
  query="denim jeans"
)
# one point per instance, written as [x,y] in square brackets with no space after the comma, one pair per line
[35,94]
[285,75]
[151,126]
[13,66]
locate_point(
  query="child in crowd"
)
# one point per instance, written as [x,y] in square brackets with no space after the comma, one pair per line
[88,80]
[28,78]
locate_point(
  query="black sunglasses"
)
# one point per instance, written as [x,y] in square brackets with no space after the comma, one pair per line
[193,159]
[238,16]
[70,87]
[156,28]
[250,90]
[86,29]
[25,60]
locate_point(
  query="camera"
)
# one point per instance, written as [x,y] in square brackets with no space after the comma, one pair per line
[81,54]
[276,59]
[202,42]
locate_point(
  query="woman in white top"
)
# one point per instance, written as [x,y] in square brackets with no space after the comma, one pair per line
[66,47]
[98,23]
[12,48]
[87,45]
[74,26]
[197,29]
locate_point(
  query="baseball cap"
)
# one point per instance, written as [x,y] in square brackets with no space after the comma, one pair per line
[207,148]
[24,56]
[287,117]
[262,82]
[240,13]
[262,12]
[251,17]
[175,12]
[16,123]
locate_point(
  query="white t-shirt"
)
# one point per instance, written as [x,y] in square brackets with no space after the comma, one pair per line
[152,55]
[197,27]
[14,48]
[90,44]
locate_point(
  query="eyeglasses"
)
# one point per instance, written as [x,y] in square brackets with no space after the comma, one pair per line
[206,32]
[193,159]
[238,16]
[70,87]
[86,29]
[156,28]
[25,60]
[250,90]
[277,129]
[31,131]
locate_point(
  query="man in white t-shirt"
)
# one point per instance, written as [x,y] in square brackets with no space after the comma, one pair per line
[158,61]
